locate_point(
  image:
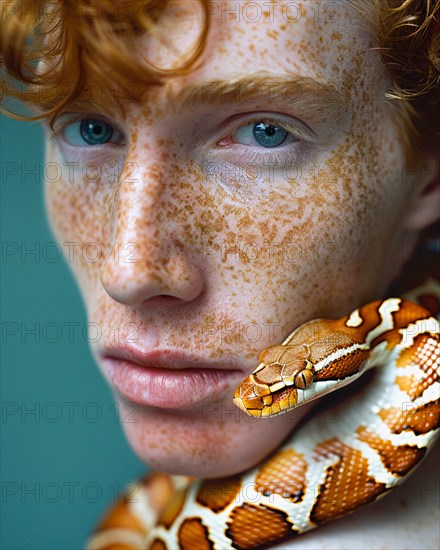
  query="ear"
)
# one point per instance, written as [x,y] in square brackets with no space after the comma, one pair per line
[425,207]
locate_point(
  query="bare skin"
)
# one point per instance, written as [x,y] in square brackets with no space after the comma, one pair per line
[226,266]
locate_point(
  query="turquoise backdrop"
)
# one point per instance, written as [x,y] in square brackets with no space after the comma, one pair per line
[63,454]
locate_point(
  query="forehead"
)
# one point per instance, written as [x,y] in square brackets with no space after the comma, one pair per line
[321,40]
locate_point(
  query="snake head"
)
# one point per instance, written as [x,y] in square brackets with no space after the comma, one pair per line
[250,398]
[272,388]
[253,398]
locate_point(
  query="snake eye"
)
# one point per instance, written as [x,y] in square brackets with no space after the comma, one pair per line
[304,379]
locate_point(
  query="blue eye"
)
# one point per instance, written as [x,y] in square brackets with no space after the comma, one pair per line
[91,131]
[269,135]
[262,133]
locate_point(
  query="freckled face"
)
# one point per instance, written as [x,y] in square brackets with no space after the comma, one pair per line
[215,228]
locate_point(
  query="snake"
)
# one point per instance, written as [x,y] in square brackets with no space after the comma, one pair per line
[324,470]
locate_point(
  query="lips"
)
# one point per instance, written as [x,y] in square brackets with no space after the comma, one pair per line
[169,379]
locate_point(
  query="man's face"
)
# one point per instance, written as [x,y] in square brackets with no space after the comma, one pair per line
[213,221]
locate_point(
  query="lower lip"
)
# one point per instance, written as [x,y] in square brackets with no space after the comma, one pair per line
[170,388]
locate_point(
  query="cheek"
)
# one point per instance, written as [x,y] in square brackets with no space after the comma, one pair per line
[320,245]
[79,207]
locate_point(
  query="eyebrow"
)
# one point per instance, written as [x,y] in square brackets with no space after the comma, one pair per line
[85,102]
[252,87]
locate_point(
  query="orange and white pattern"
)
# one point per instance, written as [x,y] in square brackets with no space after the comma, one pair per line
[325,470]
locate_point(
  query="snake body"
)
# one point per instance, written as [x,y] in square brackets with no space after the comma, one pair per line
[325,470]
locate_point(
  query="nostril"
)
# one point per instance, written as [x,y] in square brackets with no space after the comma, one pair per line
[163,299]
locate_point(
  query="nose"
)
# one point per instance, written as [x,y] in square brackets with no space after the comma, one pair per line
[147,262]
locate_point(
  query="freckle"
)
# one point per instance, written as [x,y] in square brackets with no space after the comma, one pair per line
[272,33]
[134,135]
[336,36]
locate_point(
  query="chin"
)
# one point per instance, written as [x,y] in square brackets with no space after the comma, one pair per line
[190,442]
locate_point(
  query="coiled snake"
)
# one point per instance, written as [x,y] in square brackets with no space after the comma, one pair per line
[323,471]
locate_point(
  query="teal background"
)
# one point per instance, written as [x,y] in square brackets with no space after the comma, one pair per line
[64,464]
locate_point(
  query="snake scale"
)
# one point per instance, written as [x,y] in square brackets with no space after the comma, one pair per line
[324,470]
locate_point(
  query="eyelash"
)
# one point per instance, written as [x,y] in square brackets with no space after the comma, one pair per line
[287,158]
[279,157]
[57,132]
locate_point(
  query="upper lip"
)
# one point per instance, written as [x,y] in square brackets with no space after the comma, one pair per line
[169,359]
